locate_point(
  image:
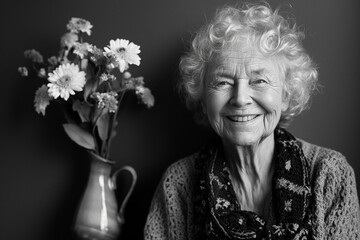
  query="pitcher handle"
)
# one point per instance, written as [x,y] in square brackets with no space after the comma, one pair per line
[130,169]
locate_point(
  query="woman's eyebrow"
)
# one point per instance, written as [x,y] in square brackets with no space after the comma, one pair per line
[257,71]
[222,70]
[225,74]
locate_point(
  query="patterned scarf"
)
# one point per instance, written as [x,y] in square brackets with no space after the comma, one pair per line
[220,211]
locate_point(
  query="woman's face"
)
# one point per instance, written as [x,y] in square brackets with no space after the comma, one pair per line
[243,94]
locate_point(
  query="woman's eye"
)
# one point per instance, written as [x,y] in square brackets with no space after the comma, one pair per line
[259,81]
[222,83]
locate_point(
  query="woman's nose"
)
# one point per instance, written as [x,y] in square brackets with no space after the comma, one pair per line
[241,93]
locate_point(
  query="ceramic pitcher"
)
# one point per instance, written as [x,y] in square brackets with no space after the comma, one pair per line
[99,216]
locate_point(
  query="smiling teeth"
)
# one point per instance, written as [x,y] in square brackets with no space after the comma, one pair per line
[242,119]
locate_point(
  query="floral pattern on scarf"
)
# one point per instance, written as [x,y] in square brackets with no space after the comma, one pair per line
[220,213]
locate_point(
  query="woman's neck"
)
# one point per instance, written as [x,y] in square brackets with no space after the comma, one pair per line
[251,171]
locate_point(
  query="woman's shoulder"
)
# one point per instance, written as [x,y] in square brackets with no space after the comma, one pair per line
[182,166]
[316,152]
[322,154]
[326,163]
[181,173]
[336,206]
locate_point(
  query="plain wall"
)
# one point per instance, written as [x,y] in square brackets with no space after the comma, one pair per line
[43,173]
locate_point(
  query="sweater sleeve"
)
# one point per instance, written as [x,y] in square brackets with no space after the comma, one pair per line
[337,213]
[168,214]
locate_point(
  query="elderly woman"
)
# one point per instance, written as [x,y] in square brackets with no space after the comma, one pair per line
[247,76]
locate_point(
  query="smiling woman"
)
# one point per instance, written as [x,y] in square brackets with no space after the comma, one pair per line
[247,76]
[243,94]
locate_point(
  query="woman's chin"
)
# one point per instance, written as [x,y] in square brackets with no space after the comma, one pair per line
[244,140]
[247,139]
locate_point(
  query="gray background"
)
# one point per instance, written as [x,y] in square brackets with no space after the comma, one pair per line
[43,173]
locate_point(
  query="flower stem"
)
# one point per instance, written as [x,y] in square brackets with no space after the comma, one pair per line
[110,129]
[121,97]
[111,124]
[95,119]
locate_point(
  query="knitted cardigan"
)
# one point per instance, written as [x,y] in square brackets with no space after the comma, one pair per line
[335,205]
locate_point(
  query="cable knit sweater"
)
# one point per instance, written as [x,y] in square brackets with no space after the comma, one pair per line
[335,206]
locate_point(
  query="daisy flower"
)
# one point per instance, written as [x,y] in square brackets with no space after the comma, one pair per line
[42,99]
[65,80]
[77,25]
[122,53]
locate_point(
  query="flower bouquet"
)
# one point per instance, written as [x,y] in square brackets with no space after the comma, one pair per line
[89,83]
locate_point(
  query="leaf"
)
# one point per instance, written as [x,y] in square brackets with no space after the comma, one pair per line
[80,136]
[83,109]
[91,82]
[89,87]
[103,126]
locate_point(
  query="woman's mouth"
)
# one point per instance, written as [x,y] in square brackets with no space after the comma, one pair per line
[242,119]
